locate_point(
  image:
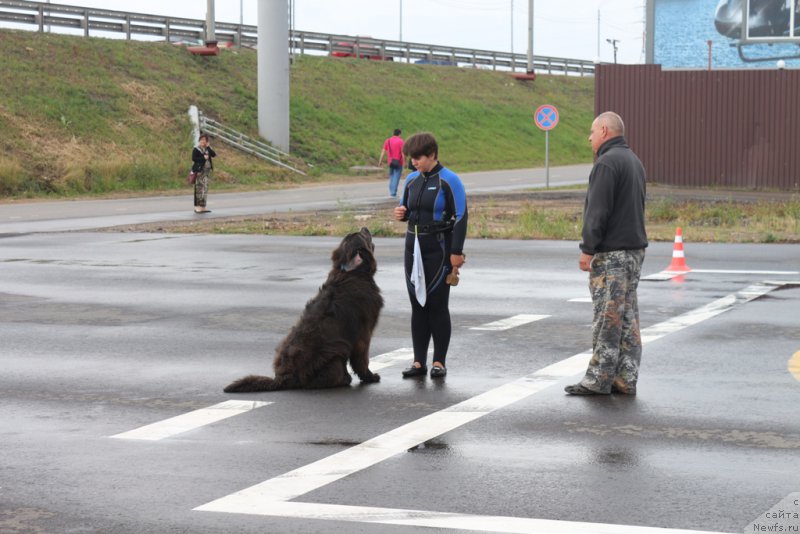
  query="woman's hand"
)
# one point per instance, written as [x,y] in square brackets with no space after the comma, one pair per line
[400,213]
[457,260]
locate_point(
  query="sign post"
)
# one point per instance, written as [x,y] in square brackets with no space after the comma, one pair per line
[546,118]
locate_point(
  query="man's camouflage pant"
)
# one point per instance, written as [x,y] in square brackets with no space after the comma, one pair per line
[616,342]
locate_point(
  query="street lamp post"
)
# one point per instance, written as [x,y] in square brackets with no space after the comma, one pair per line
[512,27]
[401,20]
[530,36]
[598,34]
[613,42]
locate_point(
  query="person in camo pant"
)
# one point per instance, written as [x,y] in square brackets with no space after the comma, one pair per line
[612,251]
[203,166]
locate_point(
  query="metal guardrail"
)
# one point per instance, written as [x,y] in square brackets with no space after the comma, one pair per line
[409,52]
[251,146]
[41,15]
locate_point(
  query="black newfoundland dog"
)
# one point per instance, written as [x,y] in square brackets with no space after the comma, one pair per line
[336,327]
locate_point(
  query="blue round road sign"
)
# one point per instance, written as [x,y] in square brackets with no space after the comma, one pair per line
[546,117]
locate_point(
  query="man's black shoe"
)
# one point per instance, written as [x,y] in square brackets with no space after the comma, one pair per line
[578,389]
[415,371]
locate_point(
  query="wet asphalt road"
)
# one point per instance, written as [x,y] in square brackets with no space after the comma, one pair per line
[104,333]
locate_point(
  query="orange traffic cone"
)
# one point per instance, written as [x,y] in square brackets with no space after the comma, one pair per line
[678,264]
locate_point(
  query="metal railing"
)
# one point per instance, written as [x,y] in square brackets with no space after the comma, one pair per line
[41,15]
[251,146]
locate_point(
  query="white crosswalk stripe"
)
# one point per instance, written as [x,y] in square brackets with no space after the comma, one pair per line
[190,421]
[511,322]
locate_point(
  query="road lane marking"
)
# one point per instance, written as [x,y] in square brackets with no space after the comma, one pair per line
[190,421]
[581,299]
[223,410]
[390,358]
[728,271]
[511,322]
[663,275]
[327,470]
[669,275]
[270,497]
[794,365]
[708,311]
[444,520]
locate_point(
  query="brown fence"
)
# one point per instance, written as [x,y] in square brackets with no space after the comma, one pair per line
[730,128]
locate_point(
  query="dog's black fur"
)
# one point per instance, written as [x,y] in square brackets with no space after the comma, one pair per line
[335,327]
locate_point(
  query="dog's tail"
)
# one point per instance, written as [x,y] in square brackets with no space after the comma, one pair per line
[253,383]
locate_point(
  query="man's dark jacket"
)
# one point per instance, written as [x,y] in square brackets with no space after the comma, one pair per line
[613,215]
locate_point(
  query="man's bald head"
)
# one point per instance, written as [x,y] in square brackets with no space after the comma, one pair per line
[604,127]
[613,122]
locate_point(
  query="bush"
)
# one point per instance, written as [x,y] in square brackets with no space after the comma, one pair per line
[12,176]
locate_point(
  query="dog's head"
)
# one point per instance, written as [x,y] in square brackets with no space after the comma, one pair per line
[355,253]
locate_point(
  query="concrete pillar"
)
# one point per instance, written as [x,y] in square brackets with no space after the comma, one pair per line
[273,72]
[211,25]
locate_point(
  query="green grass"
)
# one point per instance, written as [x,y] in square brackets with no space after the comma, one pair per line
[482,119]
[727,221]
[95,116]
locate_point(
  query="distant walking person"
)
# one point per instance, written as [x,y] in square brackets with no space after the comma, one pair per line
[203,165]
[612,251]
[393,150]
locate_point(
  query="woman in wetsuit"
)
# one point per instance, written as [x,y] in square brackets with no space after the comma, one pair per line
[435,205]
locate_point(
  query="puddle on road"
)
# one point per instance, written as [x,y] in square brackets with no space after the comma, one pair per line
[70,314]
[24,519]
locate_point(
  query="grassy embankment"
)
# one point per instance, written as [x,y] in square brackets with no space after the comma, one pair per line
[97,116]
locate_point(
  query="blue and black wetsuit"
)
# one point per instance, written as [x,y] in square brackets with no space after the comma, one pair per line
[436,205]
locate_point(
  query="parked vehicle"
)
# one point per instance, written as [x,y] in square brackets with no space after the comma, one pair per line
[364,51]
[445,62]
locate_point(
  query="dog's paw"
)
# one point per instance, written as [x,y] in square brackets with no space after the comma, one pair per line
[373,377]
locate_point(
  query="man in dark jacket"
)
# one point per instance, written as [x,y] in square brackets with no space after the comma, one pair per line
[612,251]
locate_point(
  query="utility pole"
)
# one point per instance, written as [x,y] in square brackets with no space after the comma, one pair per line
[512,27]
[643,53]
[401,20]
[237,39]
[613,42]
[530,36]
[649,27]
[291,31]
[598,35]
